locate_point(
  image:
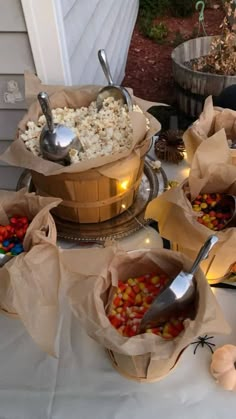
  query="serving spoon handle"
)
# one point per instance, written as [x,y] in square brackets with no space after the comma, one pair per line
[46,109]
[102,56]
[203,253]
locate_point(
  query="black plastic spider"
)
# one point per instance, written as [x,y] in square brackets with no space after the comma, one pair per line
[203,341]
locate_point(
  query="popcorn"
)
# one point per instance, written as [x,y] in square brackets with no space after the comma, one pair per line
[102,133]
[156,164]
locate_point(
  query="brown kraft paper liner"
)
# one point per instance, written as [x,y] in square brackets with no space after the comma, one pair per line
[18,155]
[29,282]
[89,278]
[33,86]
[211,120]
[212,171]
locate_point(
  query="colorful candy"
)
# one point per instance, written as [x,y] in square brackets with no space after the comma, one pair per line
[132,300]
[212,216]
[12,235]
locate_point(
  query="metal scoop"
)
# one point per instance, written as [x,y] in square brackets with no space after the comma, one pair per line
[112,90]
[178,295]
[55,139]
[4,259]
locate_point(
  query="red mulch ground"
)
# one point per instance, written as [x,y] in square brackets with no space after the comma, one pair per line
[149,67]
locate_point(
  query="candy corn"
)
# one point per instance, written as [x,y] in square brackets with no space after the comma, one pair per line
[132,300]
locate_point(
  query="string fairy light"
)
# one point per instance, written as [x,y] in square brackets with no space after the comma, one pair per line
[124,184]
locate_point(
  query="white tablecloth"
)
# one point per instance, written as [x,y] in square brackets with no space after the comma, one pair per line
[82,384]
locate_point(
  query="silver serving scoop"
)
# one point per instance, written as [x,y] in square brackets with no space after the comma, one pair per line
[178,295]
[112,90]
[4,259]
[55,139]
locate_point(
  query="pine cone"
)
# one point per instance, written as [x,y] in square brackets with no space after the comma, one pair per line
[170,146]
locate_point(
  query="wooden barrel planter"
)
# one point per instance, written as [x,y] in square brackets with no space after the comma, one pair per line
[192,87]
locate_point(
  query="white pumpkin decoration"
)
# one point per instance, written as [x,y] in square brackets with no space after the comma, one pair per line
[223,366]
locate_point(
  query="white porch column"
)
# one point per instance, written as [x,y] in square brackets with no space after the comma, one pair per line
[45,27]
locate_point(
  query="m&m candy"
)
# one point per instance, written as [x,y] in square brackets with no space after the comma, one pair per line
[211,215]
[12,235]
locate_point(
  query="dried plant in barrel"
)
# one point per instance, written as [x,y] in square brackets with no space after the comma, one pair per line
[221,58]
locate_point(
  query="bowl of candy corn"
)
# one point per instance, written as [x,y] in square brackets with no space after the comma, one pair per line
[130,300]
[110,305]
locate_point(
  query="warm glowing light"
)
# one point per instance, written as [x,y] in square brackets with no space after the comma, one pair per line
[124,184]
[123,206]
[147,240]
[185,173]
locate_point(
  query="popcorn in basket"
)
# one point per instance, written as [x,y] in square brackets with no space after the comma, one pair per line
[29,280]
[189,213]
[100,181]
[111,294]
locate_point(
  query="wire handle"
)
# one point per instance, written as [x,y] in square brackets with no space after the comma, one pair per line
[200,6]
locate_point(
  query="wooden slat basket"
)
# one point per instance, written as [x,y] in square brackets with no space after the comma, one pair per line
[136,367]
[90,197]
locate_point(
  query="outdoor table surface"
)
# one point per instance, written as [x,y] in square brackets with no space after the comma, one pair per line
[80,383]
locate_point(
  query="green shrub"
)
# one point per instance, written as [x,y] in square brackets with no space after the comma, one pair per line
[163,6]
[178,39]
[182,8]
[154,8]
[145,24]
[158,32]
[148,7]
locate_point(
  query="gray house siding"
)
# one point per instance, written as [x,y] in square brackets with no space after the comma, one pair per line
[93,25]
[16,56]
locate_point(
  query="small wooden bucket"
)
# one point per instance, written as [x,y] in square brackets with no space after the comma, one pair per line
[90,197]
[139,368]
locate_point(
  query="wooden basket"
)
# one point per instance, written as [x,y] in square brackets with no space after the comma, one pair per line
[137,367]
[89,197]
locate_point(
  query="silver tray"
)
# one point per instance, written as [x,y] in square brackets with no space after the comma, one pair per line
[153,183]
